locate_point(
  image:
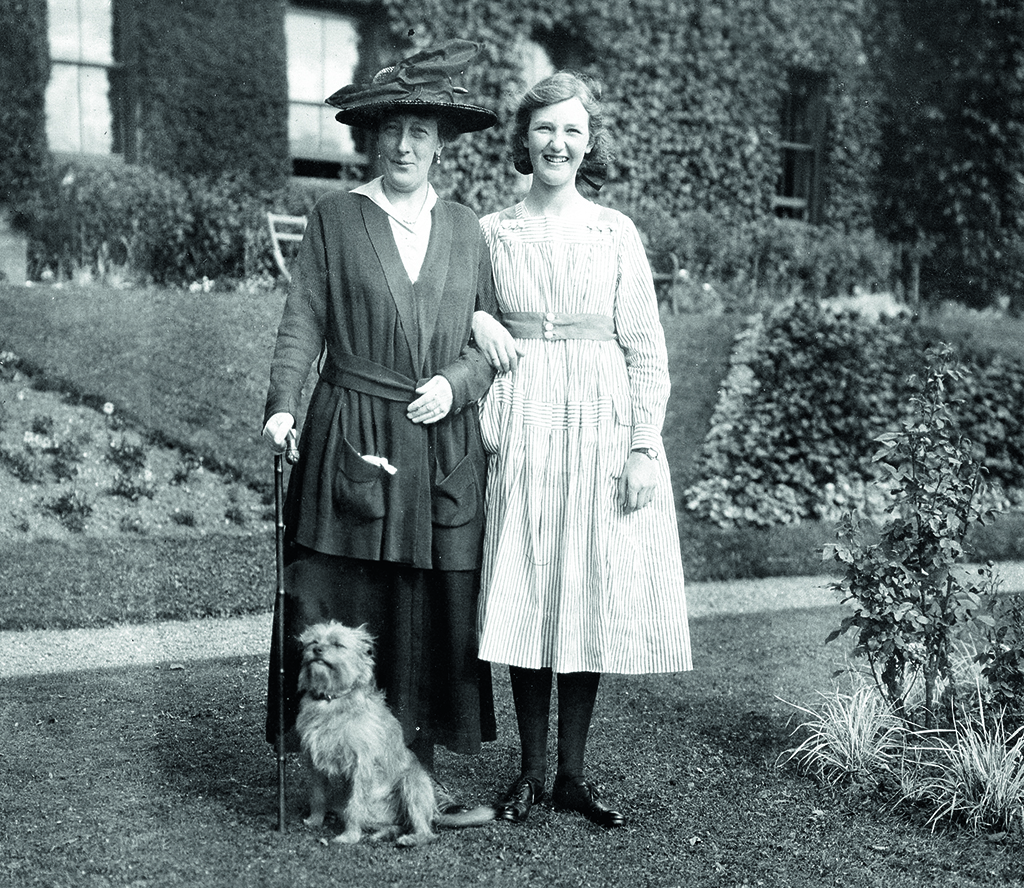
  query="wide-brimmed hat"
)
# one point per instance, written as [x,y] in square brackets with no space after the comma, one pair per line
[420,84]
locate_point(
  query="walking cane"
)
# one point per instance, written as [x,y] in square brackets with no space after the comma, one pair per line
[291,454]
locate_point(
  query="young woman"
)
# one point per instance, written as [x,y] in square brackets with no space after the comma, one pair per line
[581,571]
[384,512]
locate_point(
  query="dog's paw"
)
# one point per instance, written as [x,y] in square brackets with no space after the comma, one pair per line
[314,820]
[349,837]
[415,839]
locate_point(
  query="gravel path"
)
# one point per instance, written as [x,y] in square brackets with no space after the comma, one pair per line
[170,645]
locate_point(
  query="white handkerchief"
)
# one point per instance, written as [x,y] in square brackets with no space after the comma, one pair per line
[380,461]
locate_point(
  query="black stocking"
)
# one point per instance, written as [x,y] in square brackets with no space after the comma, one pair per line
[531,693]
[577,692]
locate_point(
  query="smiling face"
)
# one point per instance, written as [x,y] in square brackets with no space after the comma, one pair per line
[407,143]
[558,139]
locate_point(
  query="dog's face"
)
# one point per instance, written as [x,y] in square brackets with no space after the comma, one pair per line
[335,658]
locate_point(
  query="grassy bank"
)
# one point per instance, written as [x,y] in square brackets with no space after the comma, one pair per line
[191,370]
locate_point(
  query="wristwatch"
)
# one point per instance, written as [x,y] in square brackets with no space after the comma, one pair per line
[649,452]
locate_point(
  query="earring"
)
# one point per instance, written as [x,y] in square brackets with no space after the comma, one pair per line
[437,156]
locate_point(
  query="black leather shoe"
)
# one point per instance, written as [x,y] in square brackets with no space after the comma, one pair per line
[520,797]
[576,794]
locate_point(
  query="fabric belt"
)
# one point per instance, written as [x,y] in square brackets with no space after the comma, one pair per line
[554,326]
[368,377]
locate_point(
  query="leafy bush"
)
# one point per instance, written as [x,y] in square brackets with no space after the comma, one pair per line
[753,263]
[72,508]
[1002,657]
[96,216]
[106,217]
[808,391]
[911,596]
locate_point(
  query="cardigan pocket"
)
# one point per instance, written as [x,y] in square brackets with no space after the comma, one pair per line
[358,488]
[456,498]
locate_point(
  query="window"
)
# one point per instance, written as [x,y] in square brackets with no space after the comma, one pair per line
[323,54]
[79,118]
[798,194]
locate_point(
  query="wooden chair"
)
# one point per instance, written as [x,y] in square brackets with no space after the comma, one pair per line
[285,230]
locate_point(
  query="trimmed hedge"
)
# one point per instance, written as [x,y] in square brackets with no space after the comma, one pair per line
[24,72]
[808,392]
[150,226]
[212,87]
[740,266]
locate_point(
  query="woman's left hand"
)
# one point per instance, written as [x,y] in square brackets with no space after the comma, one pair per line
[434,401]
[637,482]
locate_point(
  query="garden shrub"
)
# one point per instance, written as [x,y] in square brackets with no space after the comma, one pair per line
[101,216]
[1002,657]
[92,216]
[749,264]
[911,597]
[808,391]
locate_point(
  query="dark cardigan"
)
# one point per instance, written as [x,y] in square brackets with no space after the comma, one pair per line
[384,335]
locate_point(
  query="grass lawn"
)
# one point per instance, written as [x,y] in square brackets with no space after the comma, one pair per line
[159,776]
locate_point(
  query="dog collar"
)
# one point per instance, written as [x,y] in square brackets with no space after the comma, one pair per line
[317,695]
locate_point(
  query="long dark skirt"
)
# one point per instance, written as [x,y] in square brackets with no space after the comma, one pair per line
[424,623]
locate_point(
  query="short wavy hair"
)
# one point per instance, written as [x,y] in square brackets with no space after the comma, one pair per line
[560,87]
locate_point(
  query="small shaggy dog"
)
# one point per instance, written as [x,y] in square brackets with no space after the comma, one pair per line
[359,765]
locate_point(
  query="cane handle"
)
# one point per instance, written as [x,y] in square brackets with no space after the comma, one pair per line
[291,452]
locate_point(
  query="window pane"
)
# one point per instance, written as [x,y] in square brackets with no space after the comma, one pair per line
[341,53]
[323,51]
[305,56]
[536,63]
[97,32]
[81,30]
[78,110]
[96,120]
[63,110]
[65,32]
[315,135]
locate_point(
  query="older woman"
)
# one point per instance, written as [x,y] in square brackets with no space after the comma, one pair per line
[384,508]
[582,572]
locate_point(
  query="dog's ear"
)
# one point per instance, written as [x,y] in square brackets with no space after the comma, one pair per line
[362,633]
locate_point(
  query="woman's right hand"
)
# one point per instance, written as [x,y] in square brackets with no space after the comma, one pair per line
[276,431]
[495,342]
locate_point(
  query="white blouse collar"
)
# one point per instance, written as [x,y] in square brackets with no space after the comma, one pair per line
[374,190]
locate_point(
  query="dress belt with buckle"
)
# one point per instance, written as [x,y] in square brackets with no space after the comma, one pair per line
[554,325]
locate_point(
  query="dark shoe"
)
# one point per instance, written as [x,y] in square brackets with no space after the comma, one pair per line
[576,794]
[445,800]
[520,797]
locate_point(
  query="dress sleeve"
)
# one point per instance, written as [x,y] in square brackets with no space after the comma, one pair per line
[300,336]
[642,339]
[471,374]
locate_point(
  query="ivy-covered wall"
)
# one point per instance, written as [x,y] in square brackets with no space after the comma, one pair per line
[693,87]
[211,86]
[24,71]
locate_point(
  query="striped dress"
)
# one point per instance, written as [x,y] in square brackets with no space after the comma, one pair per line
[569,581]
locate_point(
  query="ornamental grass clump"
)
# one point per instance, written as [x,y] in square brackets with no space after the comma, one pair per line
[854,738]
[912,596]
[970,775]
